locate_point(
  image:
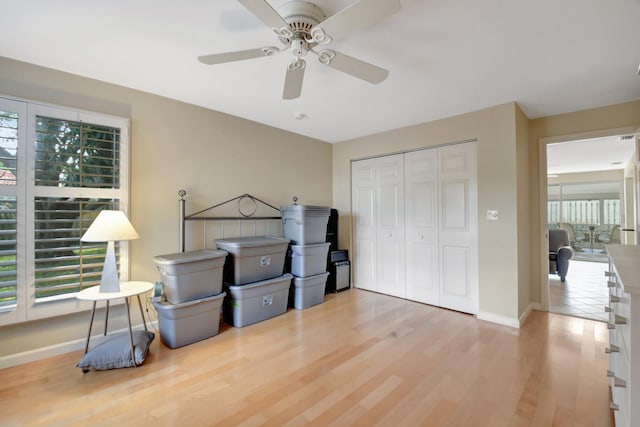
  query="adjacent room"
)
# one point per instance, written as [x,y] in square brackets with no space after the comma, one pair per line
[591,201]
[382,165]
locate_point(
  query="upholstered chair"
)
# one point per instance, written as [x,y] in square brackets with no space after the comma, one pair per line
[560,252]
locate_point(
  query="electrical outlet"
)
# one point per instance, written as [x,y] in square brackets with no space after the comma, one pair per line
[492,215]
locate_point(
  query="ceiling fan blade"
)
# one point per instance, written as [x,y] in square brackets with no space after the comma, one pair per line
[264,12]
[355,67]
[293,80]
[359,15]
[219,58]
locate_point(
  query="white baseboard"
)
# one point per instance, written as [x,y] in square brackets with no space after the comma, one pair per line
[509,321]
[40,353]
[496,318]
[55,350]
[525,314]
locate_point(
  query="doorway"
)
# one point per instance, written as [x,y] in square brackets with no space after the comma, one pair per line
[586,182]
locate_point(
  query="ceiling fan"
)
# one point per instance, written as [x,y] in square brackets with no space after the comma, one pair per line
[302,27]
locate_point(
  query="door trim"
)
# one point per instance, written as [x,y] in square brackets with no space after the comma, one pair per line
[543,266]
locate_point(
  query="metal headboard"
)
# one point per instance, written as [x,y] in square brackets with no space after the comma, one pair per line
[243,215]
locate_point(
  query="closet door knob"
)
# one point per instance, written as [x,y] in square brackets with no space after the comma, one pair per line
[420,236]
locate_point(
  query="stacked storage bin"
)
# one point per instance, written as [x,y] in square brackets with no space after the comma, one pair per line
[253,276]
[189,310]
[306,227]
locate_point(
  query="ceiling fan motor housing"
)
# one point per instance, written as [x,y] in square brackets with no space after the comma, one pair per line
[301,16]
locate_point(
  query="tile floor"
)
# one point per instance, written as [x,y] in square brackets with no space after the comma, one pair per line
[584,294]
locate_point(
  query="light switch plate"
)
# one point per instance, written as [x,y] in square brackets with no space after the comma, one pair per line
[492,215]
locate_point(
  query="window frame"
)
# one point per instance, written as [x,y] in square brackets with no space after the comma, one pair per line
[27,307]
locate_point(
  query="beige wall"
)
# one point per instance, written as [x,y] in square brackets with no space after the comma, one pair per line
[495,130]
[174,146]
[524,213]
[594,122]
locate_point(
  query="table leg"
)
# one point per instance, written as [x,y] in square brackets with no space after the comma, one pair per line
[93,312]
[106,318]
[144,322]
[133,351]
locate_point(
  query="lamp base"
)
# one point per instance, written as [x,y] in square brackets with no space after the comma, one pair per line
[110,281]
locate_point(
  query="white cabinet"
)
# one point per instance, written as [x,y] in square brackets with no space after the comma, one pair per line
[415,226]
[624,333]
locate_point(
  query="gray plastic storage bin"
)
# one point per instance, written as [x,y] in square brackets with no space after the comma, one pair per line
[186,323]
[309,260]
[305,225]
[253,258]
[191,275]
[309,291]
[257,301]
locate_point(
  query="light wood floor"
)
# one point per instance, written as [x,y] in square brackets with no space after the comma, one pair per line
[357,359]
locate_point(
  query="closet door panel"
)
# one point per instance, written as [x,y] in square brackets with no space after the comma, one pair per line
[421,226]
[364,224]
[458,233]
[455,272]
[455,206]
[390,225]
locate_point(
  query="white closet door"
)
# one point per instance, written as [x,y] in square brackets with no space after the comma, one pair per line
[390,225]
[458,228]
[421,219]
[363,178]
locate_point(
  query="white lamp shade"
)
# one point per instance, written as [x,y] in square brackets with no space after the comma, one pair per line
[110,226]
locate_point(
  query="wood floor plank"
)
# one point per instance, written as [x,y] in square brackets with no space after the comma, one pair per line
[358,359]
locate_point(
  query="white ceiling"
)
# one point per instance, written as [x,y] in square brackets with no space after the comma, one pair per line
[590,155]
[444,57]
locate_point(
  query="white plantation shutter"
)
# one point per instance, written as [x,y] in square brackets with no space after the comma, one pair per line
[75,164]
[11,132]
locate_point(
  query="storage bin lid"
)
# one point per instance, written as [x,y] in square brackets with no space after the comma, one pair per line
[312,249]
[251,242]
[261,283]
[190,256]
[311,246]
[167,306]
[305,210]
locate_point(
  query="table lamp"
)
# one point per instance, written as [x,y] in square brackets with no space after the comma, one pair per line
[110,226]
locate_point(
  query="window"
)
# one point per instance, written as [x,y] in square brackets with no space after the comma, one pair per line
[585,204]
[58,169]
